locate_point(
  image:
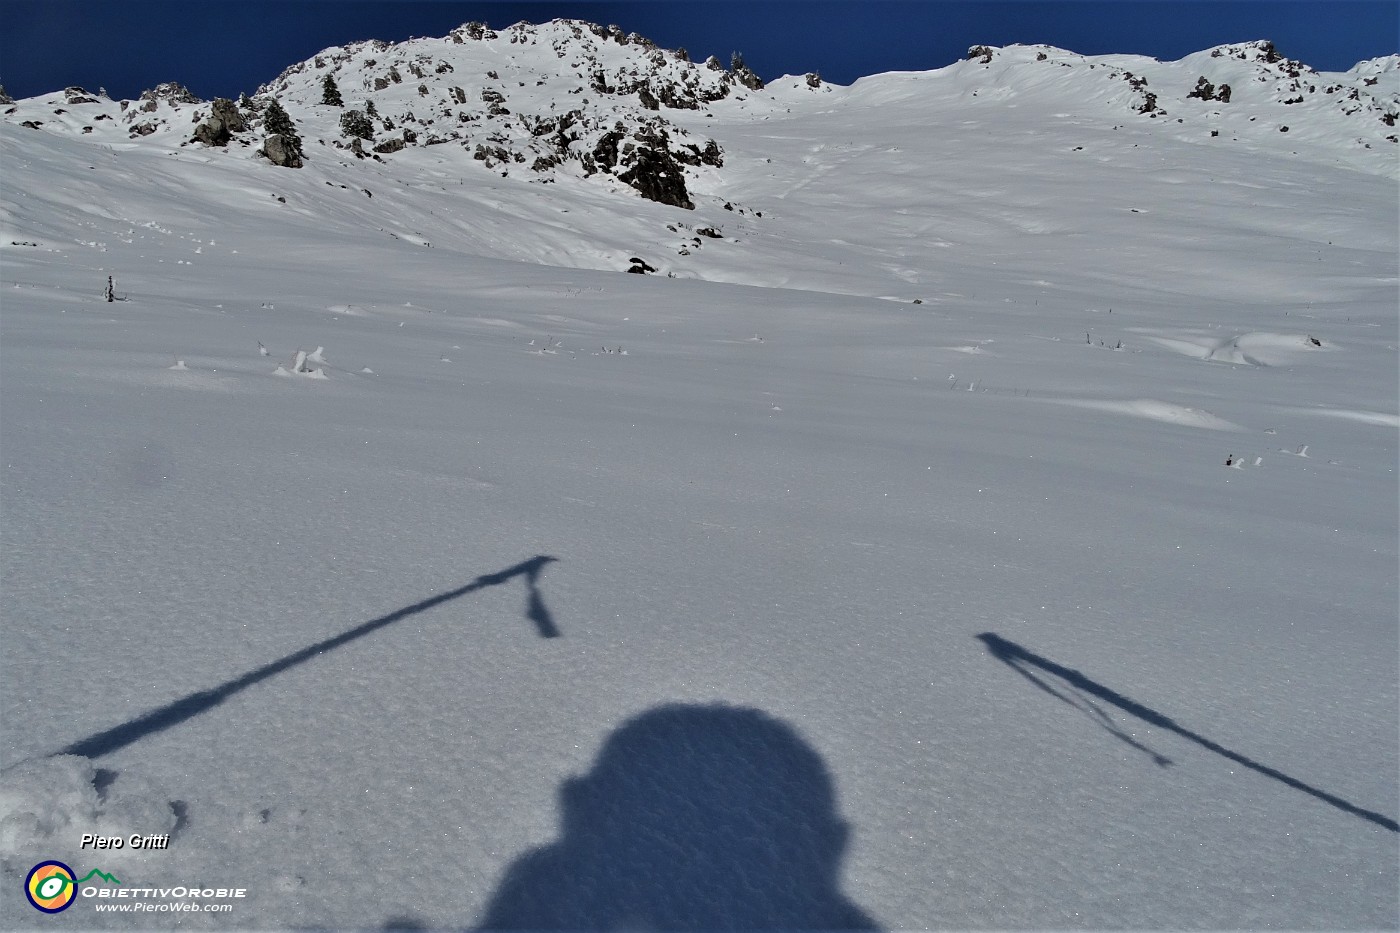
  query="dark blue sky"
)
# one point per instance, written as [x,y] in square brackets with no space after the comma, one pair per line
[222,47]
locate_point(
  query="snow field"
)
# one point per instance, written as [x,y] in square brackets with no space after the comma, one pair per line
[817,524]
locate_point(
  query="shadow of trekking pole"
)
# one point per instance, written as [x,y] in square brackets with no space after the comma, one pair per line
[1023,661]
[188,707]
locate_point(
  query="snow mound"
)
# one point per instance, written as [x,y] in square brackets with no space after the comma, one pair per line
[1257,348]
[47,804]
[1154,410]
[1379,418]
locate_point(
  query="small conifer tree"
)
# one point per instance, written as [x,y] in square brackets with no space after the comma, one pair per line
[330,94]
[276,121]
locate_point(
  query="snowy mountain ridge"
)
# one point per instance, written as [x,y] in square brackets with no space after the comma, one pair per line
[612,118]
[562,96]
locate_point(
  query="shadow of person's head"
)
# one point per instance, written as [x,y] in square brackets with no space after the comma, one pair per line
[693,817]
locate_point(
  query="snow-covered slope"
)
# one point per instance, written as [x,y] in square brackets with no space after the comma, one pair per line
[1014,464]
[528,143]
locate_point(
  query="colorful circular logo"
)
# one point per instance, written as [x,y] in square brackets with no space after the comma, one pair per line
[50,887]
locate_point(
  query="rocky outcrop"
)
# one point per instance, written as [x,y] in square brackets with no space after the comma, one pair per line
[1264,52]
[224,121]
[281,151]
[744,74]
[615,126]
[604,155]
[171,92]
[692,154]
[1204,90]
[475,31]
[1148,105]
[657,176]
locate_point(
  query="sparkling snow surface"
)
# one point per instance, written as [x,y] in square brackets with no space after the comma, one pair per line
[535,594]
